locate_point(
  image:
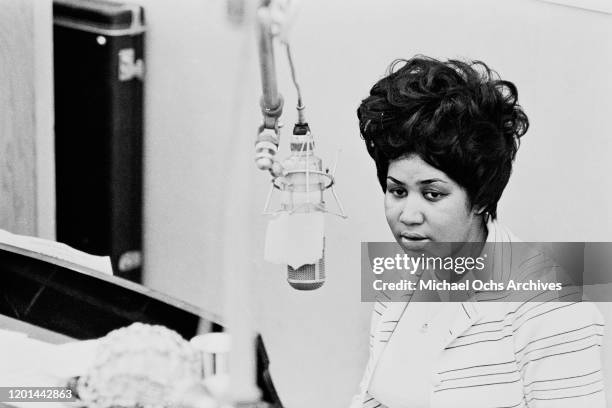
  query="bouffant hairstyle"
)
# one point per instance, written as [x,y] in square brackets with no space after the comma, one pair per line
[459,117]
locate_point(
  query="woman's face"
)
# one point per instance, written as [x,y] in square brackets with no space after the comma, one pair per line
[423,204]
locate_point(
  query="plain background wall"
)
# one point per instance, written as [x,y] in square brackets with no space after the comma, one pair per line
[202,114]
[27,181]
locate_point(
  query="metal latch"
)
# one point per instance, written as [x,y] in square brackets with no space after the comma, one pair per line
[129,67]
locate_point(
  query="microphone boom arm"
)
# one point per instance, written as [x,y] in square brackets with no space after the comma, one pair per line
[271,102]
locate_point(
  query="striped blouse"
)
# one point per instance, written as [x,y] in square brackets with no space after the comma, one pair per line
[503,354]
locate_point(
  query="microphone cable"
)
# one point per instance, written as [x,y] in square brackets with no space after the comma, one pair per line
[300,106]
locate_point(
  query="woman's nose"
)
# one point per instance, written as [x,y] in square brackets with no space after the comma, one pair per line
[411,212]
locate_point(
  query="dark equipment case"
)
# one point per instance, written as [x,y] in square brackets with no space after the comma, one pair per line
[98,64]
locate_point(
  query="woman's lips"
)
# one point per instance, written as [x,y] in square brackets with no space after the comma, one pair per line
[410,241]
[414,237]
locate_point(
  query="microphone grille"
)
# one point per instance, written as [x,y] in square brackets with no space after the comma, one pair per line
[307,277]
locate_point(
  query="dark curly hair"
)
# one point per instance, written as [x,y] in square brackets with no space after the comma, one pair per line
[459,117]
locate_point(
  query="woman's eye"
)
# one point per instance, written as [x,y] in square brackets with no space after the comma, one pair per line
[398,192]
[433,195]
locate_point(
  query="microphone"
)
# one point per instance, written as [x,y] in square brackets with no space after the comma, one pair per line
[295,234]
[302,193]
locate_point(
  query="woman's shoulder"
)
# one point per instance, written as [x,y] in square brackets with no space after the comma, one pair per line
[558,345]
[555,323]
[530,271]
[530,317]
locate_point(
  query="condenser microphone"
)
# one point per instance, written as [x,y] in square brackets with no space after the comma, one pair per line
[302,196]
[295,235]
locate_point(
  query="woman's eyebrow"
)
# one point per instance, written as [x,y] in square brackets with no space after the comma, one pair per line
[396,181]
[434,180]
[427,181]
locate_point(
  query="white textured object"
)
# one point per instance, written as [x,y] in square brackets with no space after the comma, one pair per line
[140,366]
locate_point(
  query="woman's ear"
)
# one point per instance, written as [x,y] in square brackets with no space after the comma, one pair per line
[482,211]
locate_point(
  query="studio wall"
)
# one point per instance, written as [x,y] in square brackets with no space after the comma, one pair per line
[27,193]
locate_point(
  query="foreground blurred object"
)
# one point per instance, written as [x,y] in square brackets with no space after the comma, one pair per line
[214,349]
[295,236]
[48,299]
[140,366]
[98,54]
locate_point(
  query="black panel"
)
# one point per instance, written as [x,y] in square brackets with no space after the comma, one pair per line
[98,131]
[79,305]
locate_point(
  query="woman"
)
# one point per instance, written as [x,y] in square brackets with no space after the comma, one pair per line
[443,136]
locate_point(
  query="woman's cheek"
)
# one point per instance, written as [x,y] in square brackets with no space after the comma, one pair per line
[388,206]
[392,209]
